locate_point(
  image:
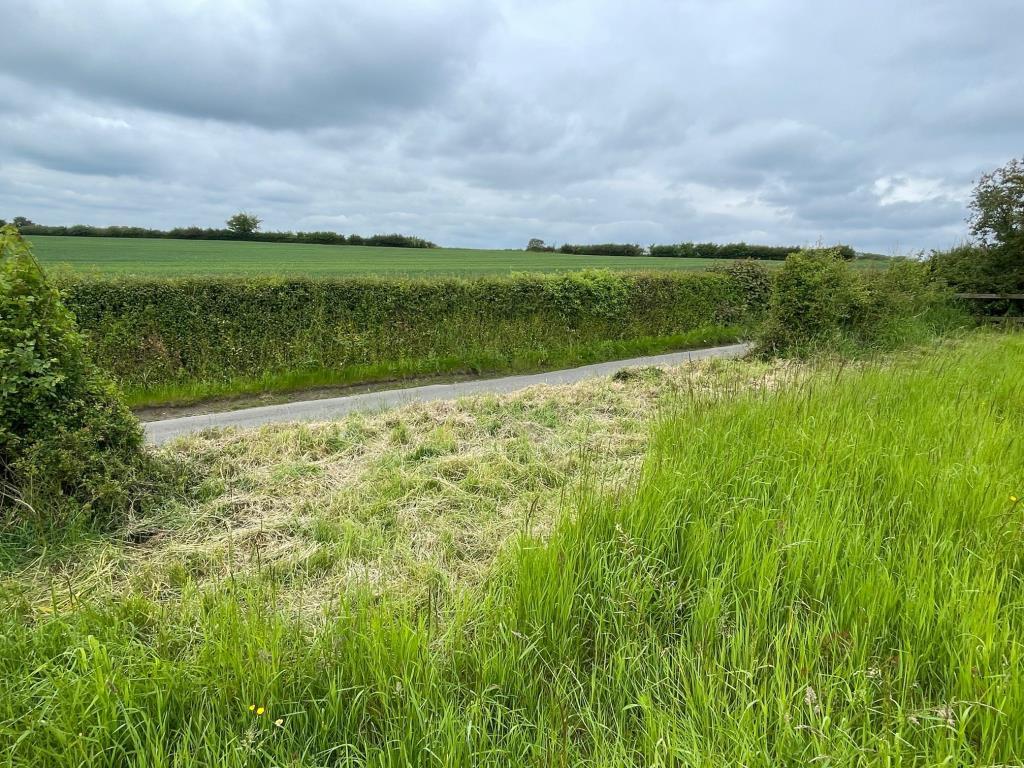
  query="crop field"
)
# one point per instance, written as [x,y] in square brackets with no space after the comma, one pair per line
[112,256]
[755,563]
[178,258]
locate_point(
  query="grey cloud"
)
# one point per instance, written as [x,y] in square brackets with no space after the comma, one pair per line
[274,63]
[486,123]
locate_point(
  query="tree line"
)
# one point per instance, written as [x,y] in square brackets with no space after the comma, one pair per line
[241,226]
[683,250]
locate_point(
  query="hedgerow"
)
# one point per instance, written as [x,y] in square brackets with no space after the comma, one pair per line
[736,251]
[68,446]
[152,333]
[974,268]
[391,240]
[603,249]
[818,303]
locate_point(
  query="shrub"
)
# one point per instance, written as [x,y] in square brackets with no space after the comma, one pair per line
[820,303]
[814,298]
[970,268]
[753,284]
[902,304]
[68,445]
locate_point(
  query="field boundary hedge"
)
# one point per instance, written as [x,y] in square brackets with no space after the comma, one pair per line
[736,251]
[389,240]
[152,334]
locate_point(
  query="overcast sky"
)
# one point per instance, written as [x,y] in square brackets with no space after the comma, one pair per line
[487,122]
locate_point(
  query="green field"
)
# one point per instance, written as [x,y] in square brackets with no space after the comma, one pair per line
[180,258]
[176,258]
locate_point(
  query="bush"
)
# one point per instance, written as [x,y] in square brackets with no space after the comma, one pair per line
[814,298]
[154,334]
[819,303]
[980,269]
[68,445]
[753,282]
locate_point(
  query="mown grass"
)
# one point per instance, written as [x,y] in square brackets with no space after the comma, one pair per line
[819,567]
[185,258]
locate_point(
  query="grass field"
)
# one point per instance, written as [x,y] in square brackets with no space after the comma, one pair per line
[176,258]
[180,258]
[735,564]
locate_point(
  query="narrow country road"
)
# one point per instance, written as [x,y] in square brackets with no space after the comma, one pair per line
[158,432]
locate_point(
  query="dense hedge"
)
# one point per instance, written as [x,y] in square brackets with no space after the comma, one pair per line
[980,269]
[819,304]
[68,445]
[208,233]
[152,333]
[736,251]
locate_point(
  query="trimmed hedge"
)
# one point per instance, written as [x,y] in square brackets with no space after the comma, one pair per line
[153,333]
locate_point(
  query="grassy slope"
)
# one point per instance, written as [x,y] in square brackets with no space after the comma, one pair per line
[816,567]
[175,258]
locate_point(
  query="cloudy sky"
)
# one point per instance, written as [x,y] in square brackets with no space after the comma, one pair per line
[487,122]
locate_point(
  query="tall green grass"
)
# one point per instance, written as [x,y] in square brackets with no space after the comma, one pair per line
[821,574]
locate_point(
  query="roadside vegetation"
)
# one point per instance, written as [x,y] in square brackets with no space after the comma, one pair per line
[811,556]
[817,562]
[184,340]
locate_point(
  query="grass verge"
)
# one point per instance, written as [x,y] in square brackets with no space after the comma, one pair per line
[492,363]
[819,566]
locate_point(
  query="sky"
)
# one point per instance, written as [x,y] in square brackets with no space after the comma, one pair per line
[484,123]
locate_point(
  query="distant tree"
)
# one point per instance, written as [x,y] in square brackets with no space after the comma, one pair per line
[997,208]
[535,244]
[3,223]
[244,224]
[21,222]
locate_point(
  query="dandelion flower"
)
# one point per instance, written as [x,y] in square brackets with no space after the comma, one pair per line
[252,707]
[260,710]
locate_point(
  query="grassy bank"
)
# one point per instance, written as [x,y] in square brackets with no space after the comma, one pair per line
[185,340]
[811,565]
